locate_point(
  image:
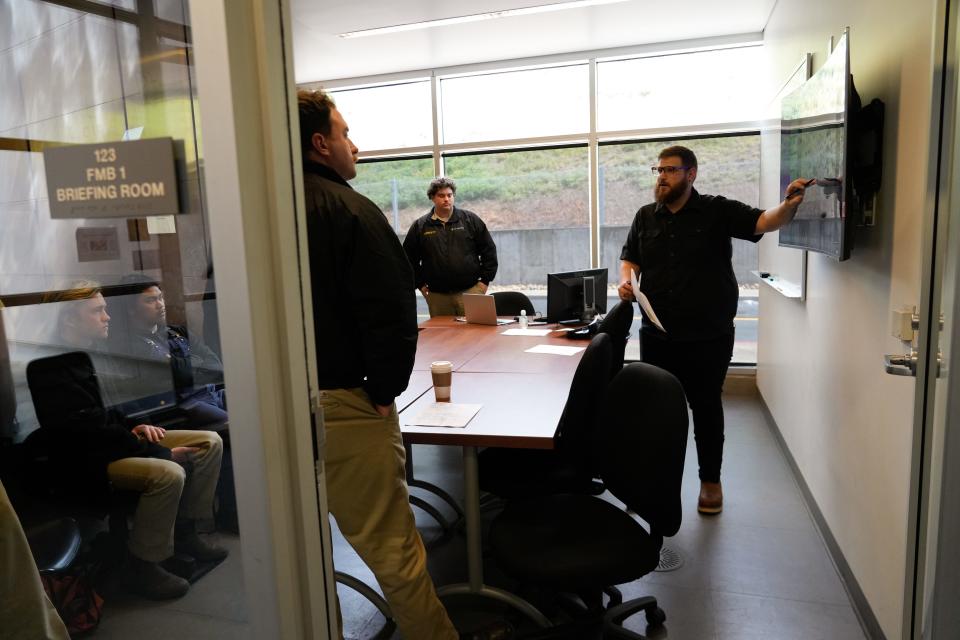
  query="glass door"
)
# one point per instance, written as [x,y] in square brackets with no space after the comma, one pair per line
[132,253]
[936,580]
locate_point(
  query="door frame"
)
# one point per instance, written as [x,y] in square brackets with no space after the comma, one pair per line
[253,176]
[930,458]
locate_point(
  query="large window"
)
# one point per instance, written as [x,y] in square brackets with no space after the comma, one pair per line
[398,187]
[388,117]
[516,104]
[536,205]
[684,89]
[519,144]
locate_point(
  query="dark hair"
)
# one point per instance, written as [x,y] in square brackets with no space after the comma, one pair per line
[314,107]
[137,283]
[440,183]
[686,156]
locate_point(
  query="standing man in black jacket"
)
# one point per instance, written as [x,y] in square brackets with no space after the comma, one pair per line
[451,251]
[366,334]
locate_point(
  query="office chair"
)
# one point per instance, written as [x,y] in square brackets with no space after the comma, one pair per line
[616,324]
[65,395]
[582,545]
[54,544]
[512,473]
[511,303]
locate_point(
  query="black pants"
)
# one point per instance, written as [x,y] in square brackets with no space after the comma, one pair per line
[701,367]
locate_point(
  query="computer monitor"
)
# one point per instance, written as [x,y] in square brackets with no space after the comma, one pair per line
[576,296]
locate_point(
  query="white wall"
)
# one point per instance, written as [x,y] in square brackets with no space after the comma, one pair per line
[848,424]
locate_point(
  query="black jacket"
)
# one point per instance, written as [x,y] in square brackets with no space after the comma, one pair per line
[83,435]
[451,257]
[364,306]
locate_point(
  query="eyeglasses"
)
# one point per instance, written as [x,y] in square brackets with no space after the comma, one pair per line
[667,170]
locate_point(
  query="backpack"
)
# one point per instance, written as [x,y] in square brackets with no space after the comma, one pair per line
[75,599]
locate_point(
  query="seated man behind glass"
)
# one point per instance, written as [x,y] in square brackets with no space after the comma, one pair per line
[175,471]
[170,355]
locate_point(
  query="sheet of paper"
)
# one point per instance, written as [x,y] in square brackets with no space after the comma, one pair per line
[446,414]
[526,332]
[644,302]
[555,349]
[161,224]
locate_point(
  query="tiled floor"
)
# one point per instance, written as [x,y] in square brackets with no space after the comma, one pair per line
[757,571]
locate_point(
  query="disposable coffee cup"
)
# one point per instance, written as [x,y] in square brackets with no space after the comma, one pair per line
[442,372]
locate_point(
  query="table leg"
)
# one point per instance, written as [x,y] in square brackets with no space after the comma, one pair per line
[471,499]
[475,586]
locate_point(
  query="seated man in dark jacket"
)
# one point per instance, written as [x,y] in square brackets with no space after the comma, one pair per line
[91,446]
[171,361]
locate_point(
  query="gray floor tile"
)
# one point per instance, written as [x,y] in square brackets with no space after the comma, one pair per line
[757,618]
[159,624]
[215,607]
[756,560]
[689,612]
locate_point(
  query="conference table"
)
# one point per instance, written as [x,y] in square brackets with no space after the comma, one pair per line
[522,396]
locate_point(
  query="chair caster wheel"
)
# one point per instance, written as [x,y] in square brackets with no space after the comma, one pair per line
[656,617]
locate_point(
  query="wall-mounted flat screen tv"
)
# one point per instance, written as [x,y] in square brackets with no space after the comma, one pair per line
[815,143]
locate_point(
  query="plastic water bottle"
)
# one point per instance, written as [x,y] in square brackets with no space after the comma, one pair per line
[523,318]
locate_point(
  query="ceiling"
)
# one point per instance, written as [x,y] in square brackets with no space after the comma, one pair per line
[320,55]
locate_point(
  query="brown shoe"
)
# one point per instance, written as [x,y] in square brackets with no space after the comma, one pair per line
[711,498]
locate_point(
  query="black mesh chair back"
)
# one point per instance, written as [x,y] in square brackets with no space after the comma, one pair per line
[511,303]
[577,423]
[65,390]
[616,324]
[584,545]
[521,473]
[66,398]
[641,442]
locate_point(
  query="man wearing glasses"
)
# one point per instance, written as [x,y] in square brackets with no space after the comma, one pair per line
[680,248]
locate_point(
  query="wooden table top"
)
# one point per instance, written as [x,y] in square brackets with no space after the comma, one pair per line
[523,394]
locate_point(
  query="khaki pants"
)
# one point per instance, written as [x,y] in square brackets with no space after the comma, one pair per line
[449,304]
[367,494]
[26,613]
[168,491]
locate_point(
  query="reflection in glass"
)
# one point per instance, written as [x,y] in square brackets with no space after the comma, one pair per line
[67,76]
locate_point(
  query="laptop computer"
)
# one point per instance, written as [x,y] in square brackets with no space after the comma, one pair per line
[481,309]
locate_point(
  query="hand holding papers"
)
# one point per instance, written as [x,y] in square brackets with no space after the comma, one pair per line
[446,414]
[643,301]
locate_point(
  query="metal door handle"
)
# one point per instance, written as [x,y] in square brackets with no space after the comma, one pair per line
[901,365]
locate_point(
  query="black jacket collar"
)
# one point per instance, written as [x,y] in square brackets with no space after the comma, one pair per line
[324,171]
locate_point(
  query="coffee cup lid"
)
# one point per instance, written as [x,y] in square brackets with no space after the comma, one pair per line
[441,365]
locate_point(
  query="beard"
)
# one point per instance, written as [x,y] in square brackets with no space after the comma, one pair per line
[670,194]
